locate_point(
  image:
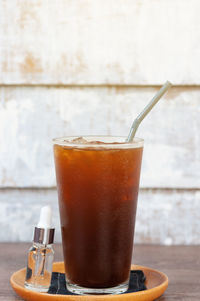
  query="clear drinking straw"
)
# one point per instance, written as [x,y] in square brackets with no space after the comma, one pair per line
[146,110]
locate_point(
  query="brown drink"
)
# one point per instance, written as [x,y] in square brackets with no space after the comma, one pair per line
[97,188]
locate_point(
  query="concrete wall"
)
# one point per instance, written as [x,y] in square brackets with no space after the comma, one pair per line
[89,67]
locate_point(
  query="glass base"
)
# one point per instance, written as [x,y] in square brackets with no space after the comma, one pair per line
[76,289]
[35,288]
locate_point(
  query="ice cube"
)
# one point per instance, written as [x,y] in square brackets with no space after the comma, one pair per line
[80,140]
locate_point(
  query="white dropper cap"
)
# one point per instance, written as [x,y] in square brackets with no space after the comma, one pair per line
[45,218]
[44,233]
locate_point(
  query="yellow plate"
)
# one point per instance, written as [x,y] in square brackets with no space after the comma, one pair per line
[156,283]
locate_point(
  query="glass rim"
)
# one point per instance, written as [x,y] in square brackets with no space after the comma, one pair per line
[121,143]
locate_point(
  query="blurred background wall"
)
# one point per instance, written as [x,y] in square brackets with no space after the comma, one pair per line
[89,67]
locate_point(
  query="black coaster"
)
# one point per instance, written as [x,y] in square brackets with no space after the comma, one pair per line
[58,284]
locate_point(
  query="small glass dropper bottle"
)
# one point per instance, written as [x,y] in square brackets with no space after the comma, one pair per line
[41,254]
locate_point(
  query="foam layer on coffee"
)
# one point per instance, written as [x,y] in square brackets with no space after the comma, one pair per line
[81,140]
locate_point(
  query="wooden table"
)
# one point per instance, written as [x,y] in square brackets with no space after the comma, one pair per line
[180,263]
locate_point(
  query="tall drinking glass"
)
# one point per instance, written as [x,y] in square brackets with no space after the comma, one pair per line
[97,182]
